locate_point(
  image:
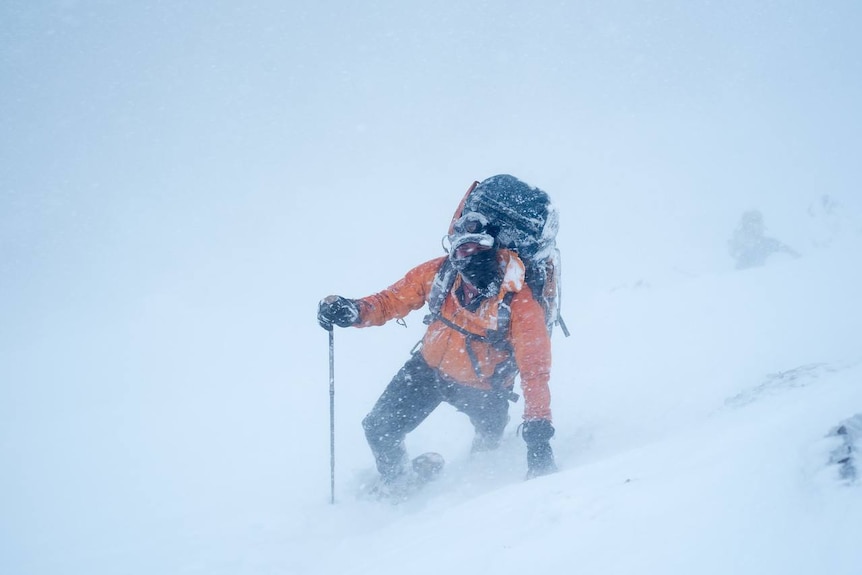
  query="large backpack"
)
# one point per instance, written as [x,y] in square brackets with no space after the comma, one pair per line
[527,222]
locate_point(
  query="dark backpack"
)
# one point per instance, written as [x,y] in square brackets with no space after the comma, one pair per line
[527,223]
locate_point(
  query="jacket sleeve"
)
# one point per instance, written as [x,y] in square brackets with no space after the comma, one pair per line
[532,347]
[407,294]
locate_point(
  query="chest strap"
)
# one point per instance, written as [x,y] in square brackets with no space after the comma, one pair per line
[496,338]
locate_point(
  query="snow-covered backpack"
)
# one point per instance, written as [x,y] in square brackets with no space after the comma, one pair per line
[527,223]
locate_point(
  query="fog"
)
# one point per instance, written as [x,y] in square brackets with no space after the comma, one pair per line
[180,183]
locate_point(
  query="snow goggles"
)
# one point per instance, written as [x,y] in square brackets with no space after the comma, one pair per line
[471,234]
[472,223]
[469,249]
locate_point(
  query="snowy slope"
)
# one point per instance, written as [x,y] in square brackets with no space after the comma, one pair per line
[180,183]
[694,415]
[702,448]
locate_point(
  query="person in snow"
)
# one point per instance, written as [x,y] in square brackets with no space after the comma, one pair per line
[750,246]
[462,360]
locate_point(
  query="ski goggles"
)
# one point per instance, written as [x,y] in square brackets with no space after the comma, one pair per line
[472,223]
[470,248]
[471,234]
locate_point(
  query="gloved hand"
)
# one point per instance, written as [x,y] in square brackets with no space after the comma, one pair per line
[337,310]
[540,456]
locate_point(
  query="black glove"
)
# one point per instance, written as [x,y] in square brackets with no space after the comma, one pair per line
[337,310]
[540,456]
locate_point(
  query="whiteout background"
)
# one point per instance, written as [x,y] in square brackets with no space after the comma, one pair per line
[181,183]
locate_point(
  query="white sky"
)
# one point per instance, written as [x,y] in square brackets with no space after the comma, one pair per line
[181,182]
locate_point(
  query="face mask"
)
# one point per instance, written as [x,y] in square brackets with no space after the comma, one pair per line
[481,269]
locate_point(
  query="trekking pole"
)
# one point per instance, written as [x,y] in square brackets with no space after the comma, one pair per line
[332,416]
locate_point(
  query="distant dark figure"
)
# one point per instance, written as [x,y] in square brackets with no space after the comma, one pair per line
[750,247]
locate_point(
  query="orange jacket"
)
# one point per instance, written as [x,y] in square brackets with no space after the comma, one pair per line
[444,348]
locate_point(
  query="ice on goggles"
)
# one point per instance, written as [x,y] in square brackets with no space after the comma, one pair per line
[471,223]
[471,248]
[470,235]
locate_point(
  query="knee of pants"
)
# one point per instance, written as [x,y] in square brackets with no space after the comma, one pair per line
[377,430]
[370,424]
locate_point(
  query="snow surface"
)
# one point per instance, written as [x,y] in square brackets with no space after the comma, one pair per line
[180,184]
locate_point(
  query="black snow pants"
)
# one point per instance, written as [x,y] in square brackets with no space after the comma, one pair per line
[415,391]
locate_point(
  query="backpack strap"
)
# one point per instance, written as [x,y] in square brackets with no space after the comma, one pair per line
[508,368]
[469,338]
[496,338]
[440,288]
